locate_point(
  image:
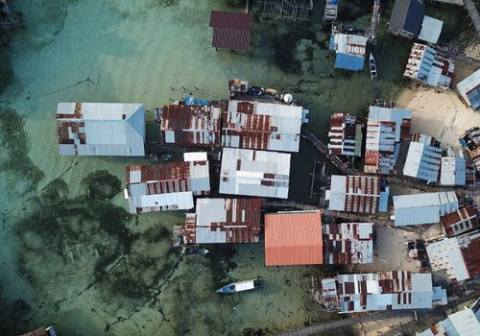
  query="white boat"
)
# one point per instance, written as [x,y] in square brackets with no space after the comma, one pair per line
[240,286]
[373,66]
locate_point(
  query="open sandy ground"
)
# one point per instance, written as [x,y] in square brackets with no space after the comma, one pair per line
[439,114]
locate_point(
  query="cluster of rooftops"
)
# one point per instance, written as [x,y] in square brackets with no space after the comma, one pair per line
[249,144]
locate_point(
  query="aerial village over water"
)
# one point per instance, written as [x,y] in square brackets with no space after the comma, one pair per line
[241,210]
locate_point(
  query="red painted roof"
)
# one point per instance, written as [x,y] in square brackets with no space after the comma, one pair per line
[293,238]
[231,30]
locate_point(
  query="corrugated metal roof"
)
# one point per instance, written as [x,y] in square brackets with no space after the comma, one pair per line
[101,129]
[446,255]
[231,30]
[423,162]
[266,126]
[431,29]
[360,194]
[400,116]
[460,221]
[151,187]
[384,291]
[293,238]
[454,168]
[348,243]
[224,220]
[423,208]
[191,125]
[350,50]
[254,173]
[430,66]
[469,90]
[345,135]
[461,323]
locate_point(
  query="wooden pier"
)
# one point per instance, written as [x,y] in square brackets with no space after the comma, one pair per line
[374,22]
[286,204]
[473,13]
[335,160]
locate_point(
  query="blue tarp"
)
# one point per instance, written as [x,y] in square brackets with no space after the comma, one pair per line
[349,62]
[333,2]
[189,100]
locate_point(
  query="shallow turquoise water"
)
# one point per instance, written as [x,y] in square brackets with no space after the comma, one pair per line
[59,254]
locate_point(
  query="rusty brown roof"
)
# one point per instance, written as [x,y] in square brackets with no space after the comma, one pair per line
[192,125]
[231,30]
[460,221]
[293,238]
[37,332]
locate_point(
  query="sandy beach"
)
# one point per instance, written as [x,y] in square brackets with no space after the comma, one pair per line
[439,114]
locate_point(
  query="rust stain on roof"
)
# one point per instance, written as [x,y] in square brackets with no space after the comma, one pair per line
[293,238]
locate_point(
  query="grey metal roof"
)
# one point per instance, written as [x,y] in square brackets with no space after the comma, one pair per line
[431,29]
[423,162]
[102,129]
[454,168]
[423,208]
[469,89]
[407,15]
[254,173]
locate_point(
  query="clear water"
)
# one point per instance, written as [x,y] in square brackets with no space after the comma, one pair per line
[60,245]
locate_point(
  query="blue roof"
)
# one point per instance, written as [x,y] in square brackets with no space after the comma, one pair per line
[331,46]
[349,62]
[474,97]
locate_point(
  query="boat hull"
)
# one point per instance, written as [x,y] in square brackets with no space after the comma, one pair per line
[240,286]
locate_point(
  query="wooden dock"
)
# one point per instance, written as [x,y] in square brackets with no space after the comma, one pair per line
[473,13]
[322,148]
[374,22]
[286,204]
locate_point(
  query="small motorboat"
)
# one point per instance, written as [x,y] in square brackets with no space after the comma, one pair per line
[373,66]
[240,286]
[190,250]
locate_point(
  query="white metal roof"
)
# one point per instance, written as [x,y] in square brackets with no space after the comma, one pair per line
[351,44]
[453,170]
[431,29]
[423,208]
[446,255]
[423,162]
[195,156]
[337,193]
[110,129]
[254,173]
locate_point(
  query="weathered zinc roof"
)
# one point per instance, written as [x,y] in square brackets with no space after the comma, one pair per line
[231,30]
[385,128]
[447,254]
[460,221]
[254,173]
[469,90]
[431,29]
[454,168]
[423,160]
[293,238]
[423,208]
[359,194]
[224,220]
[265,126]
[345,135]
[168,186]
[407,15]
[101,129]
[190,125]
[348,243]
[384,291]
[461,323]
[430,67]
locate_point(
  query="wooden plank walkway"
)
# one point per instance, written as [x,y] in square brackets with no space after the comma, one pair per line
[473,13]
[322,148]
[374,21]
[287,204]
